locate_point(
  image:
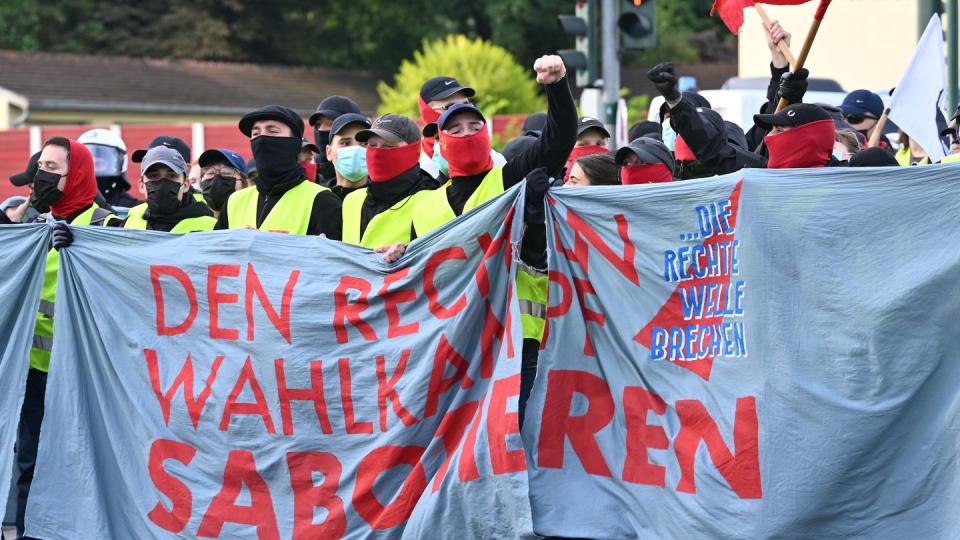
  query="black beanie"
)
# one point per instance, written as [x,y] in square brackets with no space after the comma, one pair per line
[873,157]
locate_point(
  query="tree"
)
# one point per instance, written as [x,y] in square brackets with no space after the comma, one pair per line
[502,85]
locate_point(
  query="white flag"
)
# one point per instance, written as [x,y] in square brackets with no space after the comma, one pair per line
[918,106]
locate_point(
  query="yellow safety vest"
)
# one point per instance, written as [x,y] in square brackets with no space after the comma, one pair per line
[951,158]
[904,157]
[532,287]
[290,215]
[434,210]
[43,329]
[195,224]
[388,227]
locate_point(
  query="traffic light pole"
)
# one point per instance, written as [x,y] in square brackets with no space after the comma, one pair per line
[611,66]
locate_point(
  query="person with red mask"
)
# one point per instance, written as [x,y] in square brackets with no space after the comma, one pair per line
[381,214]
[592,138]
[801,136]
[66,183]
[645,161]
[308,154]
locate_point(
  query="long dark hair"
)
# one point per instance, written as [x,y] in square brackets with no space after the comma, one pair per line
[600,169]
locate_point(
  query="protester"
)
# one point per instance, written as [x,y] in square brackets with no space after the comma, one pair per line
[846,144]
[251,170]
[645,161]
[646,128]
[348,156]
[282,199]
[308,153]
[381,214]
[437,95]
[594,170]
[910,152]
[169,141]
[873,157]
[517,146]
[110,163]
[328,110]
[66,183]
[222,172]
[862,109]
[779,67]
[801,136]
[533,124]
[592,138]
[33,208]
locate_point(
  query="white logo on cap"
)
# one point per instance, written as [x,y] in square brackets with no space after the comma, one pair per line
[791,113]
[859,101]
[448,83]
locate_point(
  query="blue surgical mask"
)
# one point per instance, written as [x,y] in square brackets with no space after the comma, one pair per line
[669,135]
[352,162]
[440,161]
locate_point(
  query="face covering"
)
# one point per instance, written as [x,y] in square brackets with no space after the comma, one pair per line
[322,138]
[163,197]
[681,151]
[579,152]
[216,190]
[838,155]
[310,169]
[45,189]
[81,186]
[384,164]
[440,161]
[276,159]
[668,134]
[352,163]
[468,155]
[807,146]
[429,116]
[645,174]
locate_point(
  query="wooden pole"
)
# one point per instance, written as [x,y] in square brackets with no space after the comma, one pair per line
[808,43]
[878,130]
[782,45]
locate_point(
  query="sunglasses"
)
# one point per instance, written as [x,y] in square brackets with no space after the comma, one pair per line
[857,119]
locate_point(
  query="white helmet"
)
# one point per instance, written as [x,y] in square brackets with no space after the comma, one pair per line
[108,149]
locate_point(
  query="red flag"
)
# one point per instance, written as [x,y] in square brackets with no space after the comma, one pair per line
[731,11]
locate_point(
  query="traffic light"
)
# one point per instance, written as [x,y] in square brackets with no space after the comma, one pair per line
[584,57]
[638,24]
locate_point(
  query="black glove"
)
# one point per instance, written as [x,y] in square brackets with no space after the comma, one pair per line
[664,77]
[62,237]
[794,85]
[538,182]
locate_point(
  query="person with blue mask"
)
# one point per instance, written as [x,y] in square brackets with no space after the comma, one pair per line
[349,157]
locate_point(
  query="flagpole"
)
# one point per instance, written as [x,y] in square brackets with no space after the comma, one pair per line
[878,129]
[808,43]
[782,45]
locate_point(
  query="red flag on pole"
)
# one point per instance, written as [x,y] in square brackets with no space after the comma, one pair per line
[731,11]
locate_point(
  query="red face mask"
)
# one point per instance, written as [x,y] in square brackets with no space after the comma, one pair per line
[310,168]
[429,116]
[579,152]
[804,147]
[645,174]
[468,155]
[81,186]
[385,164]
[683,152]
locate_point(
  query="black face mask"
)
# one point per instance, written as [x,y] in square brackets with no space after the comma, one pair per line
[216,190]
[163,197]
[277,160]
[45,192]
[322,138]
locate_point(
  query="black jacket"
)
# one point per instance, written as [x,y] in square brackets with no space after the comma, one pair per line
[718,148]
[324,216]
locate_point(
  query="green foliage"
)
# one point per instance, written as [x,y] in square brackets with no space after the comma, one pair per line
[676,19]
[637,108]
[502,85]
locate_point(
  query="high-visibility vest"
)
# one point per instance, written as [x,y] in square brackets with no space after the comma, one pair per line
[43,329]
[195,224]
[290,215]
[388,227]
[951,158]
[434,210]
[904,157]
[532,294]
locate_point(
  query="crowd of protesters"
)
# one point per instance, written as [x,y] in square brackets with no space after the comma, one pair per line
[382,183]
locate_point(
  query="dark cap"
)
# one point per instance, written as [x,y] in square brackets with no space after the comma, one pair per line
[251,166]
[861,103]
[26,177]
[176,143]
[273,112]
[873,157]
[534,124]
[222,155]
[393,128]
[518,146]
[333,106]
[309,145]
[588,122]
[443,87]
[646,128]
[794,115]
[161,155]
[431,130]
[649,151]
[345,120]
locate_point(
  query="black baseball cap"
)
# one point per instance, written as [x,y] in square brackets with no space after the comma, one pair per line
[534,124]
[646,128]
[273,112]
[393,128]
[176,143]
[794,115]
[431,130]
[648,150]
[443,87]
[26,177]
[588,122]
[333,106]
[345,120]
